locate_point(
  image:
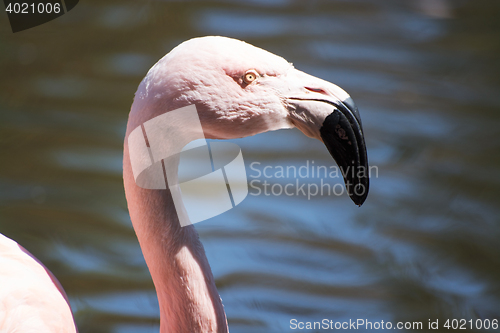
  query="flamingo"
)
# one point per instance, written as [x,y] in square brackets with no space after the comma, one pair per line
[239,90]
[31,298]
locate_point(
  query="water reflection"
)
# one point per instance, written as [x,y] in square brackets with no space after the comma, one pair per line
[424,245]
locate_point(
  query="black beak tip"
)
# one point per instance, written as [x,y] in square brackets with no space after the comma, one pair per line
[359,194]
[343,136]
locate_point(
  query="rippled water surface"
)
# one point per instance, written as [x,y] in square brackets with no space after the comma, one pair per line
[425,245]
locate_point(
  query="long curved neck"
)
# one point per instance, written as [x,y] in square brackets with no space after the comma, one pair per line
[187,295]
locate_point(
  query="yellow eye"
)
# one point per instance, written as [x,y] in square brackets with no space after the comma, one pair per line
[250,76]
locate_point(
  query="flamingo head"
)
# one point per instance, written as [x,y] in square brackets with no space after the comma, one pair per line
[241,90]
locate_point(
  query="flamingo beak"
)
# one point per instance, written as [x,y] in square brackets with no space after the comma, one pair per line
[343,136]
[324,111]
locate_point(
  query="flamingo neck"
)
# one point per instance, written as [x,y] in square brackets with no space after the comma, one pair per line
[187,295]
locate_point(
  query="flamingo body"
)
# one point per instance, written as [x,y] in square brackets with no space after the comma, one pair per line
[31,298]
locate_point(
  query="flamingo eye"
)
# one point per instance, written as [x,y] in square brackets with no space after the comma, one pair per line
[250,76]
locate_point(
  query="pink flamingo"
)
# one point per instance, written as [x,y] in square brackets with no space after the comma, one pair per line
[239,90]
[31,298]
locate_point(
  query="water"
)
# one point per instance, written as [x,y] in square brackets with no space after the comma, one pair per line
[424,246]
